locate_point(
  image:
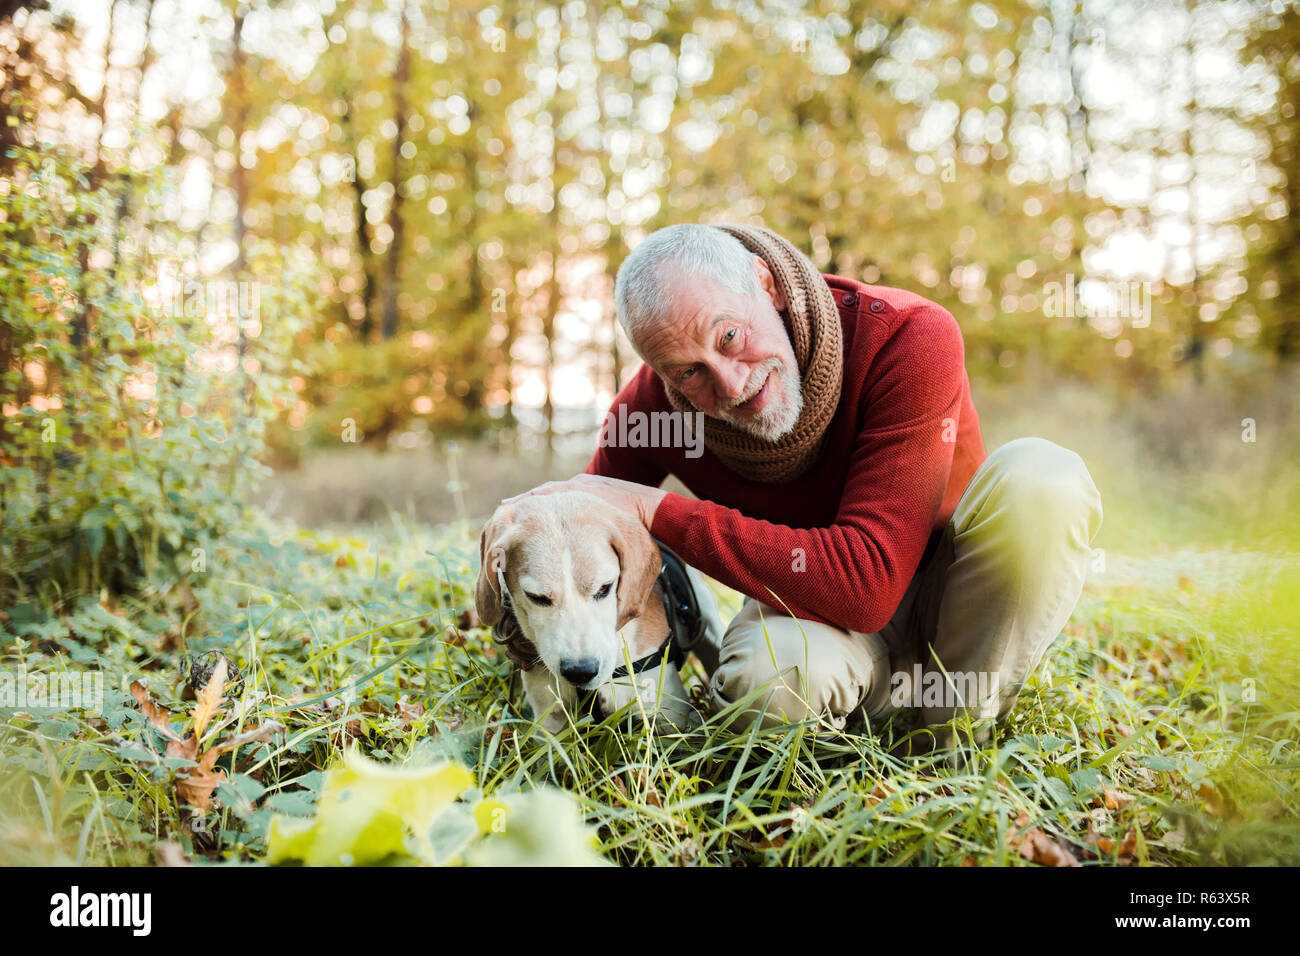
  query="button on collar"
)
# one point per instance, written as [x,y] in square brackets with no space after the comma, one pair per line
[849,298]
[876,306]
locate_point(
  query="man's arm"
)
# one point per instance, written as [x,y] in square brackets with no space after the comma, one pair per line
[852,574]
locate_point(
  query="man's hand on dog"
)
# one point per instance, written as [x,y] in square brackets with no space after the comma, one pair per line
[640,500]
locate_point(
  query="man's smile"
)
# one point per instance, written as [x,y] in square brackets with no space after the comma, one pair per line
[758,399]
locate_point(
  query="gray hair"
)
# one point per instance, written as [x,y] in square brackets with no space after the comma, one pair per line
[643,294]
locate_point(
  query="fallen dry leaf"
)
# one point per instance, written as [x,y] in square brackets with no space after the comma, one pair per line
[1036,846]
[649,793]
[1116,799]
[209,699]
[1216,801]
[879,793]
[1104,847]
[617,781]
[407,712]
[158,716]
[266,732]
[194,785]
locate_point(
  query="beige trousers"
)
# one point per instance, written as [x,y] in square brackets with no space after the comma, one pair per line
[973,624]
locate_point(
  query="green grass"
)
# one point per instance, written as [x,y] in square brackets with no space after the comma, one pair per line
[1138,744]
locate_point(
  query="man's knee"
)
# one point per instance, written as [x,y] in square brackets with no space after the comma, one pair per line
[1040,491]
[793,669]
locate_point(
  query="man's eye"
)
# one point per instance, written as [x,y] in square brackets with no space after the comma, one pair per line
[688,373]
[604,591]
[538,599]
[726,339]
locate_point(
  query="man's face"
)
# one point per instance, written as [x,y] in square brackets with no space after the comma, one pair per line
[729,354]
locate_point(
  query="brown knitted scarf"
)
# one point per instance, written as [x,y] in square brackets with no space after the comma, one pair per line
[813,324]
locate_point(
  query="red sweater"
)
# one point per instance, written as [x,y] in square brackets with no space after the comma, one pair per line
[840,543]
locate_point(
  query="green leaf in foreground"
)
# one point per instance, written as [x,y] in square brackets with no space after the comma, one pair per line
[541,827]
[365,813]
[371,812]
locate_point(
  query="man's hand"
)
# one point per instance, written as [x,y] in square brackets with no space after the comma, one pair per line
[640,500]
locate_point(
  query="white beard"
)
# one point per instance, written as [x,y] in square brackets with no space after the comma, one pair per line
[778,417]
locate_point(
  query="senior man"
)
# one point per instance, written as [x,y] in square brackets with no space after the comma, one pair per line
[888,561]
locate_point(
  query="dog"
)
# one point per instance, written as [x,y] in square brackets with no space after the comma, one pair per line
[581,579]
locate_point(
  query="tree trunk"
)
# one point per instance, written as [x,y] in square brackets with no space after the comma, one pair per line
[392,265]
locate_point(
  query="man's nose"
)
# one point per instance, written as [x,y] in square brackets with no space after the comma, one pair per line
[730,380]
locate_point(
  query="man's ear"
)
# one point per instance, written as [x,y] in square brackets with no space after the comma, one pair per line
[639,563]
[498,536]
[768,284]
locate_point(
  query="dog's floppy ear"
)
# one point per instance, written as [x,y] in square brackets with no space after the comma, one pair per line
[639,564]
[497,537]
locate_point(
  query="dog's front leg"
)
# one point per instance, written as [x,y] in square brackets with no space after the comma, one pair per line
[542,690]
[669,701]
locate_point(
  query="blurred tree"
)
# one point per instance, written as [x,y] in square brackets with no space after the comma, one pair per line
[1275,222]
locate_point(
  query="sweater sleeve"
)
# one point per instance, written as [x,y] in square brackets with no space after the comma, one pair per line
[852,574]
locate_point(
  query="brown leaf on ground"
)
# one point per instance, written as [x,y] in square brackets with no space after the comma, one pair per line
[453,637]
[881,792]
[407,712]
[194,785]
[342,735]
[1104,847]
[158,716]
[187,748]
[1115,799]
[265,732]
[1036,846]
[507,734]
[649,793]
[967,861]
[1217,802]
[209,699]
[617,781]
[468,619]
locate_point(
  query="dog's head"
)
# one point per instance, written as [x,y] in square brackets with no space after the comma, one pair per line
[577,569]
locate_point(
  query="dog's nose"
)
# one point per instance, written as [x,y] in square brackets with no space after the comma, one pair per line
[579,671]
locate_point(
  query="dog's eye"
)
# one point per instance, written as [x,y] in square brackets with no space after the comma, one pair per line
[604,591]
[538,599]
